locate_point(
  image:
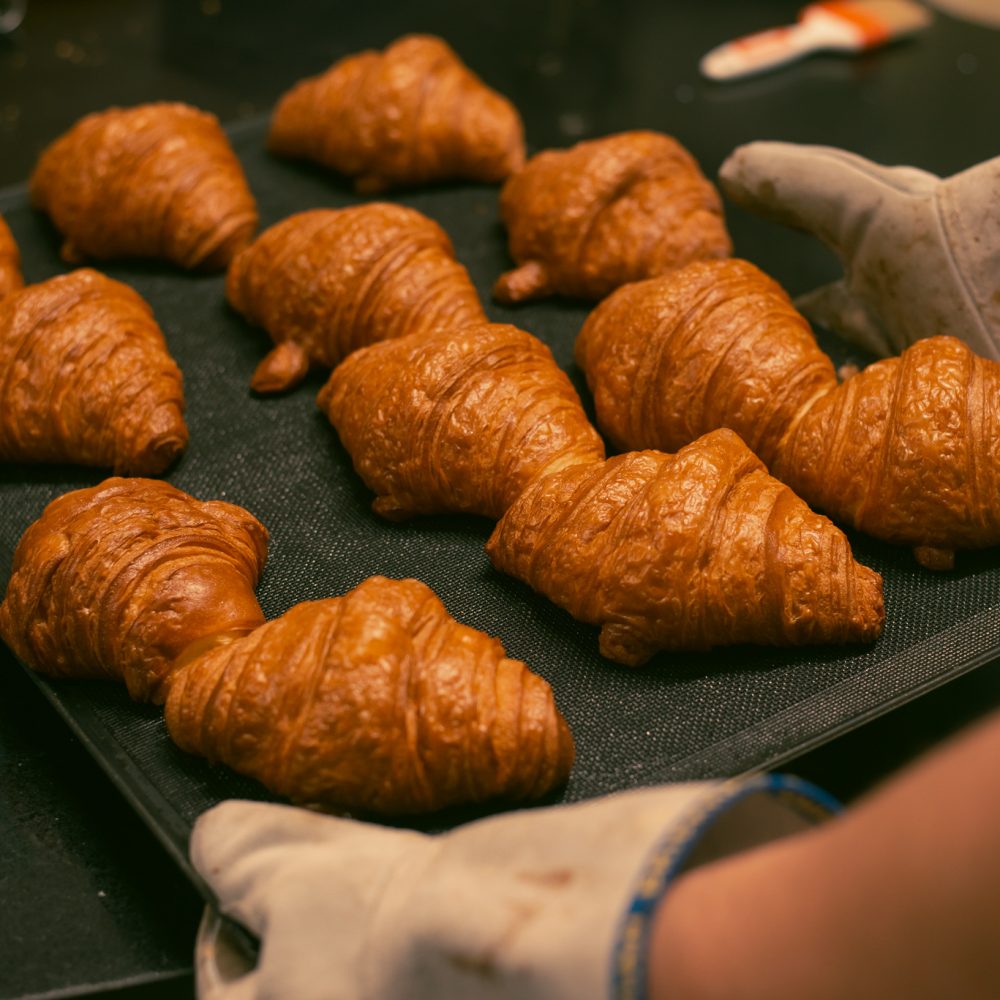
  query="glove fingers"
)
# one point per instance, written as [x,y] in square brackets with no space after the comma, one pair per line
[826,191]
[835,308]
[242,849]
[235,829]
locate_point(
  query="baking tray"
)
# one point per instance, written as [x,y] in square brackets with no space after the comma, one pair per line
[684,716]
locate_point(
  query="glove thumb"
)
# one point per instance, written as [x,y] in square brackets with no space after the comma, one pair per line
[826,191]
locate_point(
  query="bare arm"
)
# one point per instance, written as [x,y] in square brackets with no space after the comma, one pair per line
[899,897]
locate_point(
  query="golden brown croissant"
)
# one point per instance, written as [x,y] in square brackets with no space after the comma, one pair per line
[583,221]
[85,377]
[10,262]
[409,115]
[157,180]
[459,421]
[687,551]
[376,701]
[326,282]
[908,450]
[121,579]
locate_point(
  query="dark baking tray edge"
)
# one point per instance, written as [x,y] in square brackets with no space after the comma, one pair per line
[127,777]
[850,694]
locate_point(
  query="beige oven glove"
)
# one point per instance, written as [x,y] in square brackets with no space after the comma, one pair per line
[550,903]
[921,255]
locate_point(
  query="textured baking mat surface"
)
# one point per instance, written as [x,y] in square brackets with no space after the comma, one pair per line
[685,716]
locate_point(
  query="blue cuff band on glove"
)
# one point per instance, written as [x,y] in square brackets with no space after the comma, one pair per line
[685,845]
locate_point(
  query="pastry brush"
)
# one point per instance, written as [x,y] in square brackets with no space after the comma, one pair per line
[838,25]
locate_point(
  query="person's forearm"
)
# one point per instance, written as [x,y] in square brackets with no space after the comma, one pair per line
[899,897]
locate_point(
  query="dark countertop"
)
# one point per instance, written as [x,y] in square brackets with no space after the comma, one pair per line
[90,900]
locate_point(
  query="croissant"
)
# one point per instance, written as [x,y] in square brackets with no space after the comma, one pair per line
[459,421]
[120,580]
[324,283]
[87,378]
[409,115]
[376,701]
[10,262]
[908,450]
[583,221]
[687,551]
[157,180]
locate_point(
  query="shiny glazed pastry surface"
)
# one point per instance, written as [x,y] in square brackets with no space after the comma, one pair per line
[85,377]
[459,421]
[584,220]
[118,580]
[10,262]
[687,551]
[326,282]
[157,180]
[907,450]
[409,115]
[377,701]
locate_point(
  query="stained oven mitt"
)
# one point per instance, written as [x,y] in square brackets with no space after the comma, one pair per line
[547,903]
[921,254]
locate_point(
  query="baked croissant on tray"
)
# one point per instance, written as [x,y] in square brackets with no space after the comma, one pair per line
[10,262]
[120,580]
[87,378]
[157,180]
[908,450]
[326,282]
[376,701]
[583,221]
[459,421]
[409,115]
[687,551]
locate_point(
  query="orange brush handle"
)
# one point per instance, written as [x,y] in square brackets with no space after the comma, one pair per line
[874,31]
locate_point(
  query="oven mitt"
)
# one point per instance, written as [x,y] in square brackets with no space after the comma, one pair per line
[551,903]
[921,255]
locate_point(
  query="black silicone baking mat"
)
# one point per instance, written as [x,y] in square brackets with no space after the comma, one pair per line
[685,716]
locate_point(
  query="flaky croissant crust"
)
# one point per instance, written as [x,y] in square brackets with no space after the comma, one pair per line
[409,115]
[10,262]
[85,377]
[459,421]
[326,282]
[584,220]
[376,701]
[119,580]
[158,180]
[687,551]
[908,450]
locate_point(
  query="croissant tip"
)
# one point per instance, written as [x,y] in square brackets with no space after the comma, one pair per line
[618,645]
[156,455]
[269,387]
[870,619]
[70,254]
[369,184]
[391,509]
[938,560]
[282,369]
[528,281]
